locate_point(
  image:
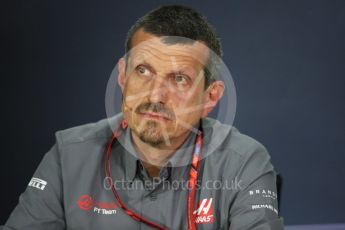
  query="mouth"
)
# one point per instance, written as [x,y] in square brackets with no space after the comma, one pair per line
[155,116]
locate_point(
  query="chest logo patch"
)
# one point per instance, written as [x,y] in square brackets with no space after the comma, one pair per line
[86,203]
[204,212]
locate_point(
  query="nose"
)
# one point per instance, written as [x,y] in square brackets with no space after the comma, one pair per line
[158,91]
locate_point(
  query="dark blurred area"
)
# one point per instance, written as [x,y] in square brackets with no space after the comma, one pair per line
[286,57]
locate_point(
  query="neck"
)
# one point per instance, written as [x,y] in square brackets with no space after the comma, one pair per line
[154,157]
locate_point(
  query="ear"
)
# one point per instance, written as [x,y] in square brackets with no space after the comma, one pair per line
[121,78]
[212,95]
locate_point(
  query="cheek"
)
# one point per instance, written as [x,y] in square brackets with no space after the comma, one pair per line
[132,99]
[189,108]
[133,85]
[133,93]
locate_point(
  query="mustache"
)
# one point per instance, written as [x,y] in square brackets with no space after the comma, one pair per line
[155,108]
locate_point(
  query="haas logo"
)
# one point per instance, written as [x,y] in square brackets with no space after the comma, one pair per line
[85,202]
[204,212]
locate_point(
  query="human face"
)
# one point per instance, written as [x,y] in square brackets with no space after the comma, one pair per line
[163,88]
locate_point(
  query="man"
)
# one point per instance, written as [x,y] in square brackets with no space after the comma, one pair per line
[159,170]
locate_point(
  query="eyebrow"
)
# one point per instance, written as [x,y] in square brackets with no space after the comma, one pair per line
[137,63]
[189,73]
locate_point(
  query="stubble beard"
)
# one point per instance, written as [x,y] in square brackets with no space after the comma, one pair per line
[151,134]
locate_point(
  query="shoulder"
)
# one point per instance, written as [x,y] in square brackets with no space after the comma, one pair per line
[230,139]
[244,145]
[87,132]
[237,152]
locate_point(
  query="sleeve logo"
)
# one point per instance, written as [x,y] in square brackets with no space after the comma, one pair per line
[37,183]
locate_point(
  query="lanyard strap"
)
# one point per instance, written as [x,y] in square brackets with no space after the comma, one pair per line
[193,174]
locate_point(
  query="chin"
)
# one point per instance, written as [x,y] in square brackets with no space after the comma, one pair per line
[153,141]
[153,133]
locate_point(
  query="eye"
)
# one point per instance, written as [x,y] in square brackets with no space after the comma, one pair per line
[180,79]
[142,70]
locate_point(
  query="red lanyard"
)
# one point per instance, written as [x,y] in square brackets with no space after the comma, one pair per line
[193,174]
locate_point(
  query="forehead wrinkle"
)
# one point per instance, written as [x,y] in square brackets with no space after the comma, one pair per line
[195,51]
[182,61]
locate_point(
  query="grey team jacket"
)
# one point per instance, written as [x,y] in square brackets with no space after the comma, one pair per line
[237,185]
